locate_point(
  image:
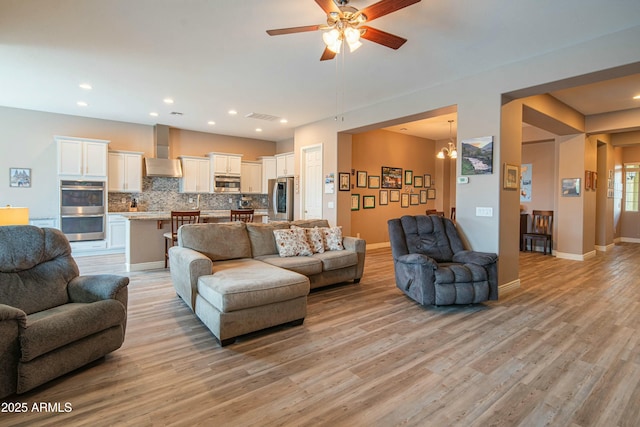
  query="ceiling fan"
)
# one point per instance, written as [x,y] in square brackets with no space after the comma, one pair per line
[346,24]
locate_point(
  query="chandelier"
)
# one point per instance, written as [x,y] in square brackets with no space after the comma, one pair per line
[344,27]
[451,149]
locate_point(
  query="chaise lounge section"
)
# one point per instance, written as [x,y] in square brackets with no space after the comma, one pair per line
[233,277]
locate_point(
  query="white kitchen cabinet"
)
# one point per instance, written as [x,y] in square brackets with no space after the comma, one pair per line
[269,171]
[251,178]
[285,164]
[82,158]
[125,171]
[195,175]
[116,231]
[226,163]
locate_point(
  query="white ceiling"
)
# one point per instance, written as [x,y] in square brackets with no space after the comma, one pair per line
[211,56]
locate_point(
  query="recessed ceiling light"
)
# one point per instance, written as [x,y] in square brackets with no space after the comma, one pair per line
[82,103]
[168,101]
[258,129]
[233,112]
[85,86]
[284,121]
[211,122]
[636,97]
[154,114]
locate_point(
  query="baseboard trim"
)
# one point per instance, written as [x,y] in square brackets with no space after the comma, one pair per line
[154,265]
[576,257]
[508,287]
[629,240]
[378,245]
[605,248]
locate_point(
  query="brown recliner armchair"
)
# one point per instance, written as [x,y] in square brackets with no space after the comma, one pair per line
[52,320]
[432,266]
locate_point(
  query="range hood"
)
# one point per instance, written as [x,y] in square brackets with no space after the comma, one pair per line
[162,165]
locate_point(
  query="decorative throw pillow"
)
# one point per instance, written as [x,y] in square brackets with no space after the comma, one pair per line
[314,238]
[292,242]
[332,238]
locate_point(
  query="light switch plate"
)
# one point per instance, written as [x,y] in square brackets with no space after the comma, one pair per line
[484,211]
[463,180]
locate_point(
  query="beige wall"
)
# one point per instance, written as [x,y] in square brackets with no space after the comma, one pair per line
[541,156]
[192,143]
[371,151]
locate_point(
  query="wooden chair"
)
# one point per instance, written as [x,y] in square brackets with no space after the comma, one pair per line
[244,215]
[453,214]
[435,212]
[541,230]
[178,218]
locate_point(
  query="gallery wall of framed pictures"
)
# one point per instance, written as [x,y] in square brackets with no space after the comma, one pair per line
[390,186]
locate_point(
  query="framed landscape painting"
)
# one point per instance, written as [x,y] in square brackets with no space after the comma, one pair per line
[477,156]
[391,177]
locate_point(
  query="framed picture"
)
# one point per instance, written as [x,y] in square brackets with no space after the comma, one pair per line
[404,202]
[384,197]
[418,180]
[423,196]
[431,193]
[594,180]
[391,177]
[477,156]
[408,177]
[362,179]
[511,177]
[414,199]
[20,177]
[355,202]
[374,181]
[368,202]
[570,187]
[427,180]
[394,195]
[344,183]
[587,180]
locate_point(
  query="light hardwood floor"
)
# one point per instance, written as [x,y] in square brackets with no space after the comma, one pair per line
[563,350]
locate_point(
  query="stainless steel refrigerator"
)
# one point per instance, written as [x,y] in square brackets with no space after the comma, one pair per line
[281,199]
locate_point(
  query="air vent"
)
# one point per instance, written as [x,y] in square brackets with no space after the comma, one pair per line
[176,113]
[261,116]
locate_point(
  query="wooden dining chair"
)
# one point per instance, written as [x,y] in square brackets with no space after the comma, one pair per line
[541,230]
[178,218]
[432,212]
[453,214]
[244,215]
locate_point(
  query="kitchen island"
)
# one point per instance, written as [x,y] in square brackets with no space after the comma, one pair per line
[144,240]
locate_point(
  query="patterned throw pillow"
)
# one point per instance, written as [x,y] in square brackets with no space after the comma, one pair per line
[332,238]
[314,238]
[292,242]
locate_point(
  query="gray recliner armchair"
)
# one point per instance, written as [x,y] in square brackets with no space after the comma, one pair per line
[433,268]
[52,320]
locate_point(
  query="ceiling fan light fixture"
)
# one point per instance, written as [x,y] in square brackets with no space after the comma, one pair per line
[333,40]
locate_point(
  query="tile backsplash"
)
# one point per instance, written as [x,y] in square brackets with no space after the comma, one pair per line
[161,194]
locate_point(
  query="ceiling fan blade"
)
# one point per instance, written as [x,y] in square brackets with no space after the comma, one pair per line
[385,7]
[292,30]
[383,38]
[328,6]
[327,54]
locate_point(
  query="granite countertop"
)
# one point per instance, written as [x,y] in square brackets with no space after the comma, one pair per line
[166,215]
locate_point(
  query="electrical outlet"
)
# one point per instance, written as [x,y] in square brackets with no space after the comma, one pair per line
[484,211]
[230,200]
[190,199]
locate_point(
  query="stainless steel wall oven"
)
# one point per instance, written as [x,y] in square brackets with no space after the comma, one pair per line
[82,210]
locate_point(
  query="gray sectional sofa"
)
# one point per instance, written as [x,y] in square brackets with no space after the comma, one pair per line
[233,278]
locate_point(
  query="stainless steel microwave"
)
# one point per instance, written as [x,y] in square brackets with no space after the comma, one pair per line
[226,184]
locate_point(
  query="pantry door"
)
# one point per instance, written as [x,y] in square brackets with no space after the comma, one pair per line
[312,182]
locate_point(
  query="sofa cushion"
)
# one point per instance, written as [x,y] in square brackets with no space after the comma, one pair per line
[217,241]
[335,260]
[261,237]
[59,326]
[315,238]
[300,264]
[426,235]
[292,242]
[245,283]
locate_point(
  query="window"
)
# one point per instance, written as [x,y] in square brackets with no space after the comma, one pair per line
[631,186]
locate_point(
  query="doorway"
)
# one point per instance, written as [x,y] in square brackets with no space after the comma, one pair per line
[311,182]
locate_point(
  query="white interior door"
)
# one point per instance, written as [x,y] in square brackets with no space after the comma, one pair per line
[312,182]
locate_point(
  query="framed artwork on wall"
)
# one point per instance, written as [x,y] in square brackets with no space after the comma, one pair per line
[477,156]
[404,202]
[423,196]
[374,181]
[408,177]
[431,193]
[414,199]
[20,177]
[418,181]
[570,187]
[361,179]
[511,177]
[344,183]
[394,195]
[384,197]
[427,180]
[368,202]
[391,177]
[355,202]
